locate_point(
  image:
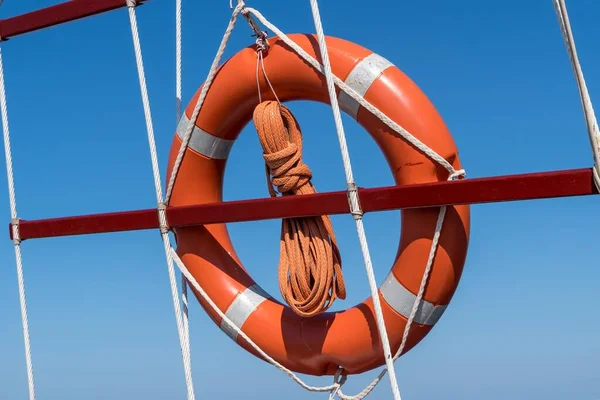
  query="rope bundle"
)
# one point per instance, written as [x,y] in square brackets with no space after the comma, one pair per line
[310,270]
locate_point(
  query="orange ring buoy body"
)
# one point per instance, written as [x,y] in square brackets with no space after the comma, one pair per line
[321,344]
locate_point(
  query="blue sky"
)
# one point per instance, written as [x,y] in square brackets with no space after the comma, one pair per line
[522,324]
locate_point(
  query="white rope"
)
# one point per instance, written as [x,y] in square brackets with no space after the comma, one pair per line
[586,102]
[352,93]
[417,303]
[334,389]
[209,79]
[15,231]
[354,204]
[338,380]
[178,59]
[178,96]
[241,333]
[410,138]
[184,343]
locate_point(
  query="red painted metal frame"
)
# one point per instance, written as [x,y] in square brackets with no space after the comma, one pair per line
[567,183]
[56,14]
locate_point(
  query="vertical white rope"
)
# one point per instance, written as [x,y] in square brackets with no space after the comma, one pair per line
[354,204]
[586,102]
[178,83]
[190,127]
[194,283]
[178,96]
[15,231]
[211,75]
[416,304]
[185,348]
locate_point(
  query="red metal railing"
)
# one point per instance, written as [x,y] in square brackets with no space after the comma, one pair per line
[575,182]
[56,14]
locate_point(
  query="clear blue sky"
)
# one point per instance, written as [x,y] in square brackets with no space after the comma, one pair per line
[524,322]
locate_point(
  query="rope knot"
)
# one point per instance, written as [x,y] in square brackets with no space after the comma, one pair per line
[338,381]
[310,271]
[289,173]
[261,36]
[457,173]
[262,45]
[281,140]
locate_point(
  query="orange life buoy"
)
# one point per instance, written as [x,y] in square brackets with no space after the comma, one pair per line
[349,339]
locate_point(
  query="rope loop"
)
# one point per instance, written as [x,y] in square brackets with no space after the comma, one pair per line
[338,381]
[131,3]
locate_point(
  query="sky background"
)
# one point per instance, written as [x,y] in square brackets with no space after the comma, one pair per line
[523,323]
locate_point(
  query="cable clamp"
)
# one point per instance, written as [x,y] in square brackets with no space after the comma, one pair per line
[354,202]
[15,231]
[162,218]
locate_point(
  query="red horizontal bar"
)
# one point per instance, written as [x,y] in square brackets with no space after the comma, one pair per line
[575,182]
[55,15]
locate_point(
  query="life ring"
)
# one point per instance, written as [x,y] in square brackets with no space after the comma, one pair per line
[349,339]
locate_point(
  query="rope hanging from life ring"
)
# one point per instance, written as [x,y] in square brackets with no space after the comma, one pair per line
[310,265]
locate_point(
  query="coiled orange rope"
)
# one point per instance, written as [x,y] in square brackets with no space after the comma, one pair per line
[310,268]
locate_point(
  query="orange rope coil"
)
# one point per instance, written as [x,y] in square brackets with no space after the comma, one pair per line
[310,268]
